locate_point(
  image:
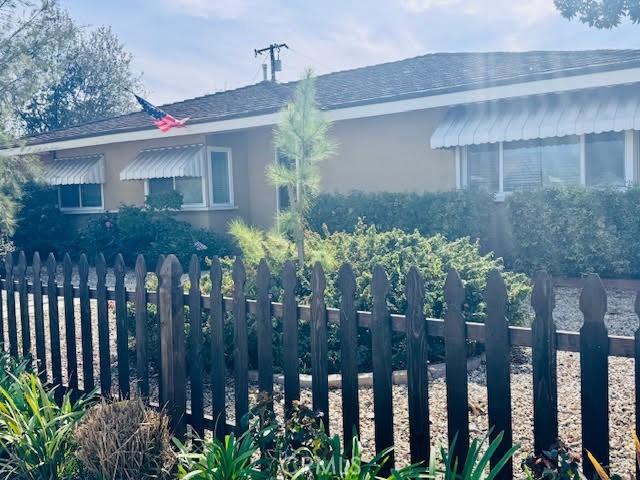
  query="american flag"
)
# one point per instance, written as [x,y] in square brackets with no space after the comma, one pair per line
[163,120]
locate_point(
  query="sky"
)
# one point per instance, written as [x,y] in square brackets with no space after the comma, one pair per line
[188,48]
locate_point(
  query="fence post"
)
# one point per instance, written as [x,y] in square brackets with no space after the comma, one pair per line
[241,345]
[417,381]
[545,384]
[264,332]
[594,371]
[172,345]
[319,360]
[104,346]
[54,327]
[218,368]
[88,381]
[23,298]
[70,325]
[455,333]
[349,356]
[11,306]
[498,370]
[195,343]
[382,373]
[142,364]
[38,313]
[290,337]
[158,269]
[122,332]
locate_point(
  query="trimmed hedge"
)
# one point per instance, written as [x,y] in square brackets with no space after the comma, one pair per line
[569,231]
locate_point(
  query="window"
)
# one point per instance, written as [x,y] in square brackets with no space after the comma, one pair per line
[483,169]
[76,197]
[221,176]
[604,159]
[189,187]
[541,163]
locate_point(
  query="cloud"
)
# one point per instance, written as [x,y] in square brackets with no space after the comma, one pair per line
[419,6]
[210,9]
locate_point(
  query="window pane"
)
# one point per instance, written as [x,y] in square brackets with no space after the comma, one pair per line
[482,167]
[604,158]
[560,159]
[220,178]
[91,195]
[160,185]
[522,169]
[69,196]
[191,189]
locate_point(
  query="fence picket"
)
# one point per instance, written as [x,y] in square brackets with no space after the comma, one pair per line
[241,348]
[544,360]
[12,326]
[70,325]
[158,269]
[349,356]
[290,337]
[264,331]
[594,370]
[23,298]
[417,381]
[637,373]
[104,346]
[122,332]
[142,364]
[195,339]
[38,314]
[85,325]
[172,345]
[382,369]
[456,367]
[498,355]
[218,368]
[54,327]
[319,359]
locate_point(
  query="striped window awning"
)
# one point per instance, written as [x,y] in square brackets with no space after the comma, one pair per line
[545,116]
[75,170]
[179,161]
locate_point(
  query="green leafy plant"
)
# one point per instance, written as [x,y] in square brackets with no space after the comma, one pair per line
[36,434]
[553,464]
[231,459]
[476,465]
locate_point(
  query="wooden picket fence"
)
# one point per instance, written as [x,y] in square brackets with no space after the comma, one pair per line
[593,343]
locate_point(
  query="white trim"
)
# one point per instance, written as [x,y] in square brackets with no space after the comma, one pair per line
[536,87]
[231,202]
[185,206]
[81,209]
[629,157]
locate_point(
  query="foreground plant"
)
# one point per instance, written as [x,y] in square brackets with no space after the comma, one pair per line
[476,465]
[602,473]
[36,434]
[553,464]
[124,440]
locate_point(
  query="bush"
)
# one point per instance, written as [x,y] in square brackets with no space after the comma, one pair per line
[124,440]
[41,226]
[453,214]
[150,232]
[36,435]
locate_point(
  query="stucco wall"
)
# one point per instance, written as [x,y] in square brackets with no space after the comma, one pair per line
[386,153]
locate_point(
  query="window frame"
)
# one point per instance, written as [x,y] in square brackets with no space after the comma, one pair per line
[631,163]
[185,206]
[231,203]
[80,208]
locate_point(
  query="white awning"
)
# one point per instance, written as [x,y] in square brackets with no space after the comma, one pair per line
[75,170]
[179,161]
[558,115]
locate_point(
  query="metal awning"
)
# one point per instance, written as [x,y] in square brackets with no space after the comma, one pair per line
[555,115]
[179,161]
[75,170]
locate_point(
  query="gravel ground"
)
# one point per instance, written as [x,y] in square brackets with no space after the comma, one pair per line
[620,319]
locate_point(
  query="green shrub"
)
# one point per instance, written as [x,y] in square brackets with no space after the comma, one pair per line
[453,214]
[41,226]
[150,232]
[36,435]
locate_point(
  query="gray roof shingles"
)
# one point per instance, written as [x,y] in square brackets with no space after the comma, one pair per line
[414,77]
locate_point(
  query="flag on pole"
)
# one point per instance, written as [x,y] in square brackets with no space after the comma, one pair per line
[163,120]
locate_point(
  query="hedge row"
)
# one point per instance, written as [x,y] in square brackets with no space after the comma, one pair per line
[567,231]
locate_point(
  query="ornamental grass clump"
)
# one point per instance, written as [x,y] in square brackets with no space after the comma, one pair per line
[125,441]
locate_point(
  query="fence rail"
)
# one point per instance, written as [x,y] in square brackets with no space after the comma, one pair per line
[592,342]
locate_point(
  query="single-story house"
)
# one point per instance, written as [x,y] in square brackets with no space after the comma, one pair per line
[499,121]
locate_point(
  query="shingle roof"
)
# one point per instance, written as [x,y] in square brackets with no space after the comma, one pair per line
[414,77]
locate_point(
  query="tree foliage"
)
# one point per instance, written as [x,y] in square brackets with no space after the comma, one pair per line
[602,14]
[301,140]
